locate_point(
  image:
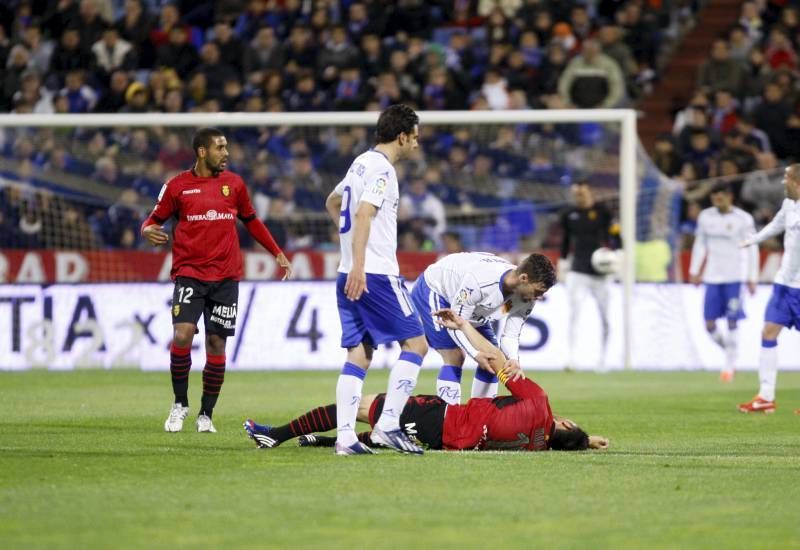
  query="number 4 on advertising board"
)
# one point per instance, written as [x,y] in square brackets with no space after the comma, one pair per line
[313,334]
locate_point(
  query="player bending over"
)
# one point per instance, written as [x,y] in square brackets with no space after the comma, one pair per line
[521,421]
[481,288]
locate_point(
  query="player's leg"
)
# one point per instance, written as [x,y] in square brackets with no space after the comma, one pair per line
[448,382]
[714,308]
[730,342]
[485,383]
[187,307]
[219,316]
[359,347]
[599,288]
[575,283]
[389,316]
[319,419]
[425,301]
[777,315]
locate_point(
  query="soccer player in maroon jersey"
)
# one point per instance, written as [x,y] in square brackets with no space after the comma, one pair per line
[521,421]
[206,265]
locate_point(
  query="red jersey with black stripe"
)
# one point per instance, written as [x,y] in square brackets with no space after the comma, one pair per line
[520,421]
[205,243]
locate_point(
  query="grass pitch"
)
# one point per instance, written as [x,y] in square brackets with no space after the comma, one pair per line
[84,463]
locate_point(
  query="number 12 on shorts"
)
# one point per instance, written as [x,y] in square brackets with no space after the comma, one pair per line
[185,294]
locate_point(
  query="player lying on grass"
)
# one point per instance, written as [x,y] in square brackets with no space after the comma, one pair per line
[520,421]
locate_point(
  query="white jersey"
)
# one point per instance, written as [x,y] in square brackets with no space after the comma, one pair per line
[371,178]
[787,219]
[471,282]
[717,241]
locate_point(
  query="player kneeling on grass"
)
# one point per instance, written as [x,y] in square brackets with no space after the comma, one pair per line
[521,421]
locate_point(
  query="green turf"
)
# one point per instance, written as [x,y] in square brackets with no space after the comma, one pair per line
[84,463]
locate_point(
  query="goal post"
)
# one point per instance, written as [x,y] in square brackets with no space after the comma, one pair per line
[624,118]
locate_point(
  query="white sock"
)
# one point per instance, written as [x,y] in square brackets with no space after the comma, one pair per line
[402,381]
[768,369]
[484,384]
[731,344]
[448,384]
[348,397]
[717,337]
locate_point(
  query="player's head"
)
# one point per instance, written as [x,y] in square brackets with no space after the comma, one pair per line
[722,196]
[398,124]
[211,149]
[791,182]
[536,275]
[582,192]
[568,436]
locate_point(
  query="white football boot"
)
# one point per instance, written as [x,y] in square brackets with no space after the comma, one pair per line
[177,414]
[204,424]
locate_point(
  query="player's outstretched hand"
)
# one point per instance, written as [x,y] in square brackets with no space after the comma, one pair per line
[449,319]
[513,370]
[694,279]
[356,284]
[155,235]
[598,442]
[286,265]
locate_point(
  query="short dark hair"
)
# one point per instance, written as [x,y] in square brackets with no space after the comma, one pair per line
[722,186]
[569,440]
[539,269]
[395,120]
[204,136]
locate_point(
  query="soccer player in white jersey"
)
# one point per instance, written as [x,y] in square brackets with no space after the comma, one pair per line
[481,288]
[720,230]
[374,306]
[783,308]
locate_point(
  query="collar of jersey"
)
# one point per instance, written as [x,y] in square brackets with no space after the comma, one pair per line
[376,151]
[503,278]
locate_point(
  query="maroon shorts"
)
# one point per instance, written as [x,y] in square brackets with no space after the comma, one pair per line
[422,418]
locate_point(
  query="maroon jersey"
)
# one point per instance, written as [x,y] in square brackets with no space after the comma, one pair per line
[205,243]
[521,421]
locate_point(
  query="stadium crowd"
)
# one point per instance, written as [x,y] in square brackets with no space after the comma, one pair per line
[136,56]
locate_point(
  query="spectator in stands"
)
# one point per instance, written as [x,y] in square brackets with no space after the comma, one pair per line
[611,44]
[374,58]
[136,99]
[215,71]
[112,53]
[550,74]
[724,115]
[779,50]
[40,49]
[721,72]
[422,210]
[90,23]
[701,151]
[305,96]
[81,97]
[177,53]
[70,56]
[351,92]
[337,53]
[751,21]
[666,156]
[451,242]
[592,79]
[106,171]
[33,93]
[16,64]
[113,99]
[173,155]
[771,114]
[300,52]
[231,49]
[264,53]
[338,159]
[135,26]
[757,73]
[740,43]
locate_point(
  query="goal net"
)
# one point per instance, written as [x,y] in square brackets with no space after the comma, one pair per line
[74,190]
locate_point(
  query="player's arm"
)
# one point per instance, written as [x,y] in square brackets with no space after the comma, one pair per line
[153,227]
[356,283]
[775,227]
[333,204]
[259,231]
[509,340]
[487,355]
[699,251]
[752,256]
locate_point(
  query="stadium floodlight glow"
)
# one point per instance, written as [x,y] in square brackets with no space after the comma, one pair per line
[626,118]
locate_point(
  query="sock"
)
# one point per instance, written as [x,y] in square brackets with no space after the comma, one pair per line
[180,363]
[348,396]
[402,381]
[484,384]
[730,344]
[448,384]
[363,437]
[768,369]
[717,337]
[213,377]
[320,419]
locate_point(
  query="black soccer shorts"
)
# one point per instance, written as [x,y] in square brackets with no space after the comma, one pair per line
[422,417]
[216,301]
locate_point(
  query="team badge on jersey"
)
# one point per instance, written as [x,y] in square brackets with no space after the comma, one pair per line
[176,310]
[226,190]
[380,186]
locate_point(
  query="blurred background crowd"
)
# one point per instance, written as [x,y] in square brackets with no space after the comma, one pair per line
[494,187]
